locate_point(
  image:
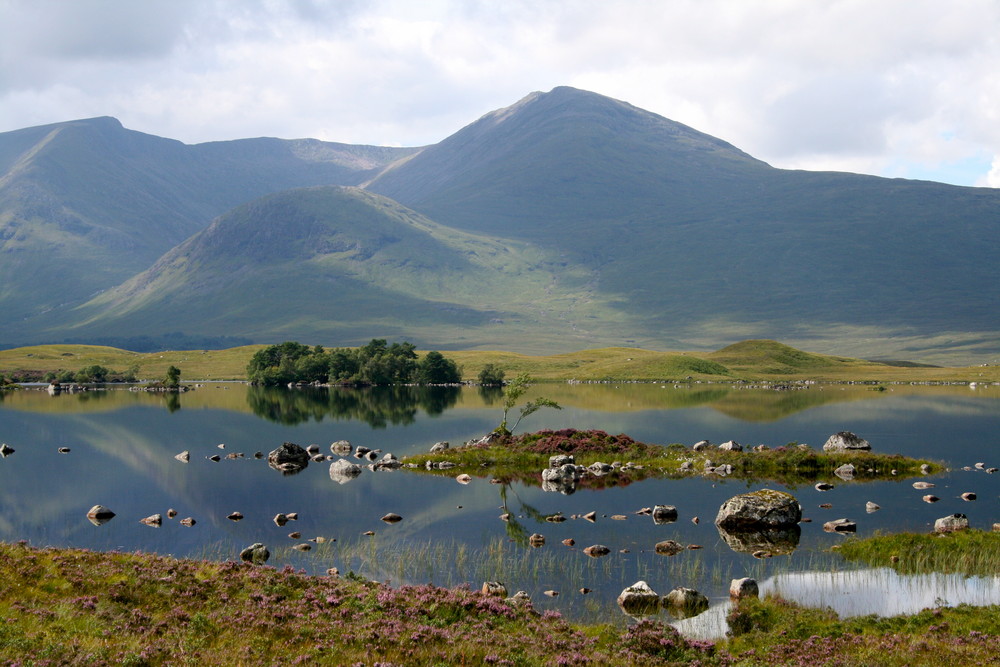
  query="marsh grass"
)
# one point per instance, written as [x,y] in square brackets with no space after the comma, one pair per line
[522,458]
[775,631]
[969,552]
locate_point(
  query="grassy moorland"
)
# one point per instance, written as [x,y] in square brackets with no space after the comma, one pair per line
[64,606]
[752,360]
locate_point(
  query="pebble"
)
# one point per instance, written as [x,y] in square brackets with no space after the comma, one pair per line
[235,516]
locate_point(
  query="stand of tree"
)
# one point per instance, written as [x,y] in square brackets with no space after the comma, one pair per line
[376,363]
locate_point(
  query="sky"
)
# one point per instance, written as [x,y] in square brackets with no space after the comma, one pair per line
[897,88]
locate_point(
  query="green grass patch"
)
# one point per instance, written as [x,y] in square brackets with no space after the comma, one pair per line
[969,552]
[775,631]
[523,457]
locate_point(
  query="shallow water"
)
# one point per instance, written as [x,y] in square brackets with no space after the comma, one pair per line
[123,445]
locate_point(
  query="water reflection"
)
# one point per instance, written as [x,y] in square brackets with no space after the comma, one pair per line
[771,541]
[377,407]
[882,592]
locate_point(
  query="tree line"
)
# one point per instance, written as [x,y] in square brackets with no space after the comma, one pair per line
[376,363]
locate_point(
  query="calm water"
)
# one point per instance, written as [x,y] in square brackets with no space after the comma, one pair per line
[122,456]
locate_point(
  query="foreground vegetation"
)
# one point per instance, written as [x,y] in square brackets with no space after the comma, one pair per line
[80,607]
[523,457]
[746,361]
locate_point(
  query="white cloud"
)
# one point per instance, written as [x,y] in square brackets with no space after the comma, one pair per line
[843,84]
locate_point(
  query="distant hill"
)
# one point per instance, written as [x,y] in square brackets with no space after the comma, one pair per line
[340,262]
[85,205]
[567,220]
[701,240]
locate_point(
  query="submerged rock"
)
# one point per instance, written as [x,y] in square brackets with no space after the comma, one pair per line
[289,458]
[100,515]
[639,598]
[668,548]
[743,588]
[685,602]
[664,514]
[597,550]
[341,447]
[840,526]
[152,520]
[343,471]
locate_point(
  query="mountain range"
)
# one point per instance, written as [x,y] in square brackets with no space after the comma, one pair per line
[565,221]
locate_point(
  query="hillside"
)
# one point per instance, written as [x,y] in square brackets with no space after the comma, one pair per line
[85,205]
[343,263]
[565,221]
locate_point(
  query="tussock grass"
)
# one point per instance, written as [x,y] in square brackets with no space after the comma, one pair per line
[969,552]
[774,631]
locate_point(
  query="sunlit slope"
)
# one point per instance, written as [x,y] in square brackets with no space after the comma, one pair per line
[342,264]
[748,360]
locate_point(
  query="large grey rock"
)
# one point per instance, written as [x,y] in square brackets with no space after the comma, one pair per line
[343,471]
[731,446]
[664,514]
[687,600]
[440,447]
[289,458]
[639,598]
[743,588]
[759,509]
[562,479]
[845,441]
[559,460]
[256,553]
[950,524]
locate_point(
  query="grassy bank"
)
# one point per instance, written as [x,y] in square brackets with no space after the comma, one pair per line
[750,361]
[523,457]
[80,607]
[969,552]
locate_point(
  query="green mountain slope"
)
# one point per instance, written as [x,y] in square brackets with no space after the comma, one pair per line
[87,204]
[711,245]
[344,264]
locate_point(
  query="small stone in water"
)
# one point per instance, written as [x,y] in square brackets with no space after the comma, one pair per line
[930,499]
[968,496]
[235,516]
[552,594]
[184,456]
[302,547]
[590,516]
[569,541]
[214,457]
[171,513]
[280,519]
[64,450]
[188,522]
[293,516]
[392,518]
[295,535]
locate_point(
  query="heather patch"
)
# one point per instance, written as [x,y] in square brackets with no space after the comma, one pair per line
[522,457]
